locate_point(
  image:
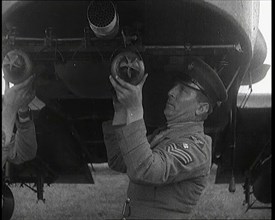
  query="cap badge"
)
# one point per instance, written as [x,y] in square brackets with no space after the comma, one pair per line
[190,66]
[185,146]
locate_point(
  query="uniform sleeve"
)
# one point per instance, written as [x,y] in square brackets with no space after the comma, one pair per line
[174,162]
[115,159]
[24,145]
[5,149]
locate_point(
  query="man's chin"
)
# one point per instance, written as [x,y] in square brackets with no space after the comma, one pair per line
[168,113]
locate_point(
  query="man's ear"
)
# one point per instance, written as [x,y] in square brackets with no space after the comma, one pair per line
[202,108]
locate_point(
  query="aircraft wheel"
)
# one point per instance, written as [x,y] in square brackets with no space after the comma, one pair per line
[262,185]
[7,203]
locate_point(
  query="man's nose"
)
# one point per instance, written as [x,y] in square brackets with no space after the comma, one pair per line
[171,92]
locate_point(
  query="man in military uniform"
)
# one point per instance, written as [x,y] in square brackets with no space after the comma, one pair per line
[21,146]
[168,170]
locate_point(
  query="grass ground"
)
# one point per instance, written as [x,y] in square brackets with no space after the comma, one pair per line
[104,199]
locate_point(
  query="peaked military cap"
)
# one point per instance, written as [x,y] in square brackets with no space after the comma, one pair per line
[203,78]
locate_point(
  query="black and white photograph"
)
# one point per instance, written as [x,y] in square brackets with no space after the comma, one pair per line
[136,109]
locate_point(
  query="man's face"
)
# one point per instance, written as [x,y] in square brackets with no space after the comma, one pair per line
[181,104]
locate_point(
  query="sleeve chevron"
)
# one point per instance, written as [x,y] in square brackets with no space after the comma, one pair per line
[180,153]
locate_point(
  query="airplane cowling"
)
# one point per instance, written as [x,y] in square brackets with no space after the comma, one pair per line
[262,183]
[257,70]
[260,51]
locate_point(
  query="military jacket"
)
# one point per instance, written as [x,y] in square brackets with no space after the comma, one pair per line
[167,171]
[23,145]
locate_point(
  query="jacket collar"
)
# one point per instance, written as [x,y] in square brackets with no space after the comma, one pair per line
[175,131]
[183,128]
[187,127]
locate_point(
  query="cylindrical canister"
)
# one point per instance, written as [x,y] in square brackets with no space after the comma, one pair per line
[103,18]
[16,66]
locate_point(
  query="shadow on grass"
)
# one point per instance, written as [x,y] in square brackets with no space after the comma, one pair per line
[104,200]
